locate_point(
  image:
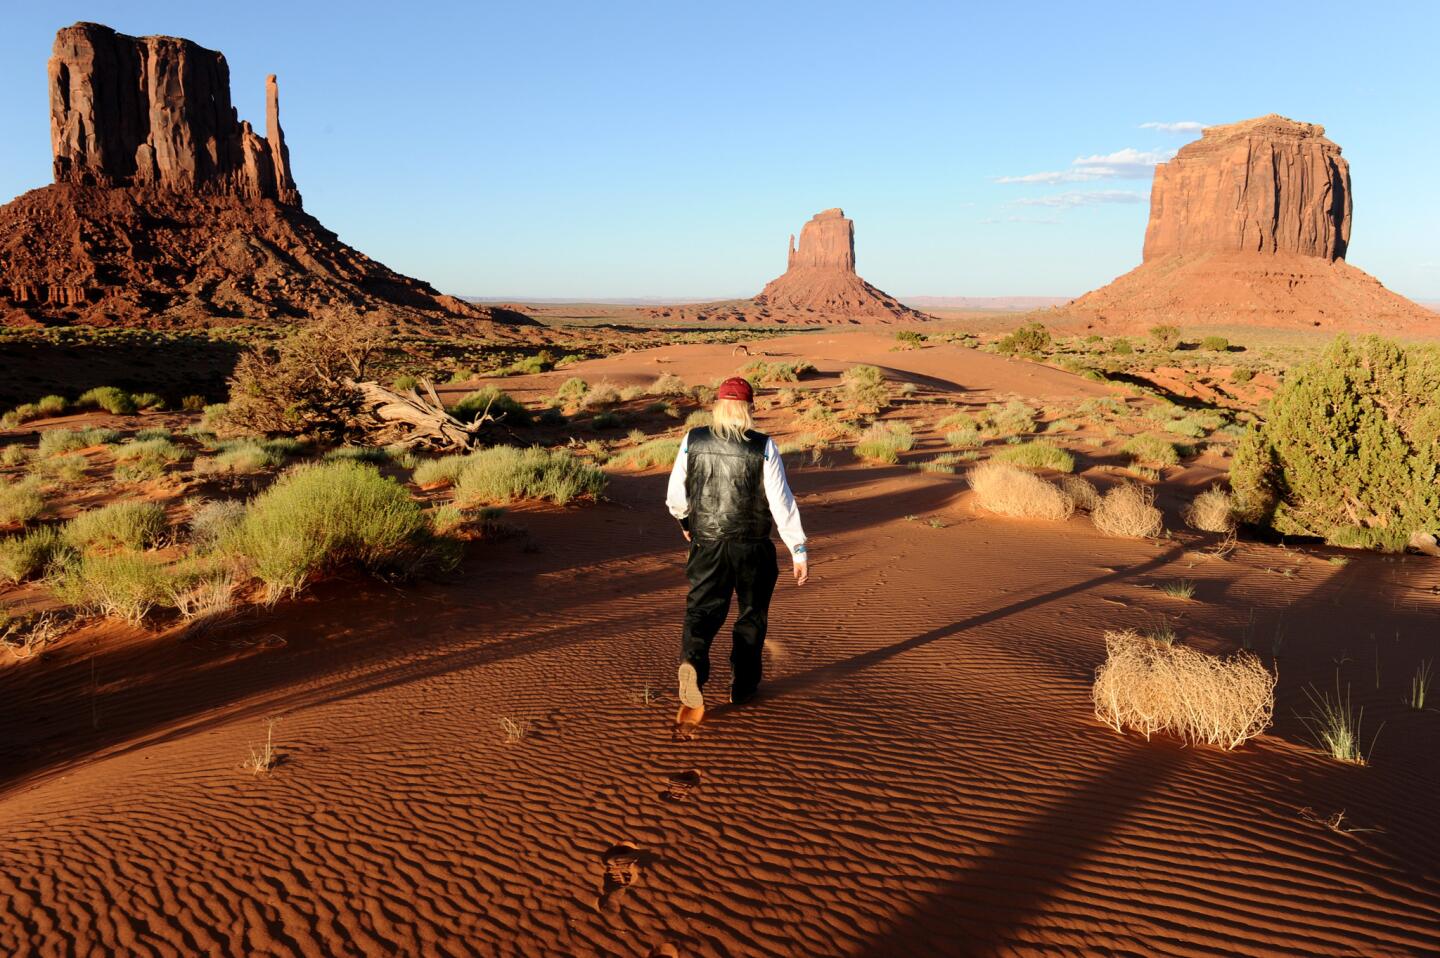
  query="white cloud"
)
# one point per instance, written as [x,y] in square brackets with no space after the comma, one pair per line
[1126,164]
[1183,126]
[1081,198]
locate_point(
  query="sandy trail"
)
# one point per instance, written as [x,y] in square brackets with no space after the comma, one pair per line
[922,775]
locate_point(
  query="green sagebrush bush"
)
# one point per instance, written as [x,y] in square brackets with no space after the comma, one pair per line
[1350,450]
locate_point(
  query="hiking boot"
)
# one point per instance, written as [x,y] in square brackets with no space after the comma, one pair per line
[741,696]
[690,696]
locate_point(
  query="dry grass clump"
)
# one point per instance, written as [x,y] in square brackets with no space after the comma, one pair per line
[604,394]
[26,636]
[1015,418]
[241,457]
[54,441]
[1081,491]
[1196,697]
[493,402]
[440,472]
[648,455]
[884,442]
[504,473]
[668,384]
[1038,455]
[1012,491]
[124,585]
[212,523]
[1153,449]
[108,398]
[865,388]
[29,556]
[1212,511]
[1128,511]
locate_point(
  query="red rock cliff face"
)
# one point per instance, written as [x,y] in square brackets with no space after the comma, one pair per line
[156,112]
[1268,185]
[827,240]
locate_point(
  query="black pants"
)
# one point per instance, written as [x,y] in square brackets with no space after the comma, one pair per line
[715,570]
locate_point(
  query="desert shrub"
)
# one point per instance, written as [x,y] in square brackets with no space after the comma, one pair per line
[648,455]
[19,501]
[372,454]
[214,416]
[668,384]
[964,436]
[154,432]
[130,523]
[19,415]
[68,440]
[1242,374]
[909,338]
[1166,337]
[1081,492]
[213,522]
[1012,491]
[550,416]
[884,441]
[572,391]
[631,393]
[1153,448]
[51,405]
[321,516]
[158,448]
[1350,450]
[606,420]
[1028,340]
[1211,511]
[865,388]
[945,463]
[14,455]
[498,403]
[27,556]
[108,398]
[1014,418]
[1215,344]
[530,365]
[61,469]
[193,403]
[1199,698]
[442,471]
[405,383]
[698,418]
[1120,346]
[505,473]
[124,585]
[1038,455]
[602,394]
[1128,511]
[304,385]
[148,401]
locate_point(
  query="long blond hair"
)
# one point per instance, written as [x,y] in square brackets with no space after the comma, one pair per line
[730,419]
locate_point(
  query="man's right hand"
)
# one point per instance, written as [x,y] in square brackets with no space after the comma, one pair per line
[802,571]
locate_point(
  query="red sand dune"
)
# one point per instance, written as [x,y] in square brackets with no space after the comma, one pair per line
[922,777]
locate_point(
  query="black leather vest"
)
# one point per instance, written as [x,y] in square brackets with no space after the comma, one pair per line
[725,483]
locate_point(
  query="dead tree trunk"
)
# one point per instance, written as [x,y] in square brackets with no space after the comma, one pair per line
[387,417]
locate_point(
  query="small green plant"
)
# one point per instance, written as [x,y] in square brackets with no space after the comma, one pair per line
[405,382]
[495,402]
[55,441]
[28,556]
[909,339]
[52,405]
[1120,346]
[212,523]
[240,458]
[1215,344]
[1166,337]
[130,523]
[1242,374]
[668,384]
[1161,632]
[883,442]
[1178,589]
[1335,725]
[124,585]
[151,401]
[193,403]
[108,398]
[572,391]
[944,464]
[1030,339]
[1420,685]
[1038,455]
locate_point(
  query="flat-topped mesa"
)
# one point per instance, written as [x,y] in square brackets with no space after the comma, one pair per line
[826,241]
[1268,185]
[155,112]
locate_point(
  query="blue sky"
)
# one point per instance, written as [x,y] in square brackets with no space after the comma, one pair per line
[668,149]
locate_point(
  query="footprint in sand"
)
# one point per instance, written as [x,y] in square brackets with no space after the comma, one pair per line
[622,867]
[681,785]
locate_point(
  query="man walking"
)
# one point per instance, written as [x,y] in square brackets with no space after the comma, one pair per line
[726,487]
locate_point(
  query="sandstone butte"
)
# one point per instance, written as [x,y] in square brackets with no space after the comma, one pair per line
[1250,225]
[169,211]
[819,285]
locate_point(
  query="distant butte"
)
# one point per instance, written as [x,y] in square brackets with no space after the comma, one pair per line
[1250,224]
[169,211]
[819,285]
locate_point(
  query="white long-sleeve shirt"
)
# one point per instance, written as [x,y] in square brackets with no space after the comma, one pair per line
[777,493]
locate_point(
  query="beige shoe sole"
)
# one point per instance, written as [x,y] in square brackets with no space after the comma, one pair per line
[690,696]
